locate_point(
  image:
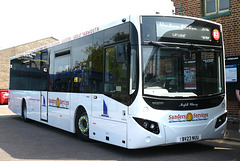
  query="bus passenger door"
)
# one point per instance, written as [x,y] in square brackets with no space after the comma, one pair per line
[44,85]
[108,123]
[44,106]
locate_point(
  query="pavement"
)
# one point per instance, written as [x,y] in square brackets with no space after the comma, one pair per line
[232,133]
[4,110]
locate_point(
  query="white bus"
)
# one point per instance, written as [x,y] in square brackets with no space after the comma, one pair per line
[142,81]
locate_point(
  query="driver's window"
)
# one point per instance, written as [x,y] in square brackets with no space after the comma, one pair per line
[115,70]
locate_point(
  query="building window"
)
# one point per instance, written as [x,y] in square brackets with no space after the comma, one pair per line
[216,7]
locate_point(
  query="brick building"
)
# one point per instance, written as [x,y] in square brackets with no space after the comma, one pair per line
[7,53]
[226,12]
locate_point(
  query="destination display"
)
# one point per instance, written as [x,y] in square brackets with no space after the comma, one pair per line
[183,31]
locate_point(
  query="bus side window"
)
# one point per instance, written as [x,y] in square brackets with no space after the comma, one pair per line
[61,76]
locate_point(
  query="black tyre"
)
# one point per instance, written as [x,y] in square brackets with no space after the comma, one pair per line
[82,125]
[24,111]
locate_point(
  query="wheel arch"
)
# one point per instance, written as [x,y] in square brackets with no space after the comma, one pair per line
[81,123]
[80,107]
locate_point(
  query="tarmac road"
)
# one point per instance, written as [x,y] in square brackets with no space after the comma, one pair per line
[36,141]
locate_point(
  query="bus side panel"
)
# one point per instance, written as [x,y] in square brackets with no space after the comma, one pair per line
[33,104]
[15,101]
[109,121]
[107,108]
[107,131]
[59,105]
[32,99]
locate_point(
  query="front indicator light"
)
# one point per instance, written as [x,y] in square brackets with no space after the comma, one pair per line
[148,125]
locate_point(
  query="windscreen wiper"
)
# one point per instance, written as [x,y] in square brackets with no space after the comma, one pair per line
[200,48]
[187,45]
[162,45]
[166,46]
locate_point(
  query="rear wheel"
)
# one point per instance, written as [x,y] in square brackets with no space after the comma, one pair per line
[24,111]
[82,125]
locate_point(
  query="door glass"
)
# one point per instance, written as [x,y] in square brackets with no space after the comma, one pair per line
[44,70]
[115,71]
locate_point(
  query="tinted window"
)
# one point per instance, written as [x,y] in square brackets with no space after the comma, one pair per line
[15,74]
[115,71]
[26,72]
[60,78]
[115,34]
[81,64]
[44,70]
[19,73]
[34,75]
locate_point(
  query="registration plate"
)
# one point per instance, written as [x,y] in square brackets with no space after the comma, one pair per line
[188,138]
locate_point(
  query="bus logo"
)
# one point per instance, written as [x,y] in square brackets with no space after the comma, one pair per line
[58,103]
[105,110]
[188,117]
[44,102]
[216,34]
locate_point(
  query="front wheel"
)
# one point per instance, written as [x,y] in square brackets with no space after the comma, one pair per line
[82,125]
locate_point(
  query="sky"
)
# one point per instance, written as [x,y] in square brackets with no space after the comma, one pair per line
[24,21]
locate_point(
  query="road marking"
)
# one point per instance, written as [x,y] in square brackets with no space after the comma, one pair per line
[235,143]
[221,148]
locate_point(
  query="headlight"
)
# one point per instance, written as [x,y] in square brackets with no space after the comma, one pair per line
[148,125]
[221,120]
